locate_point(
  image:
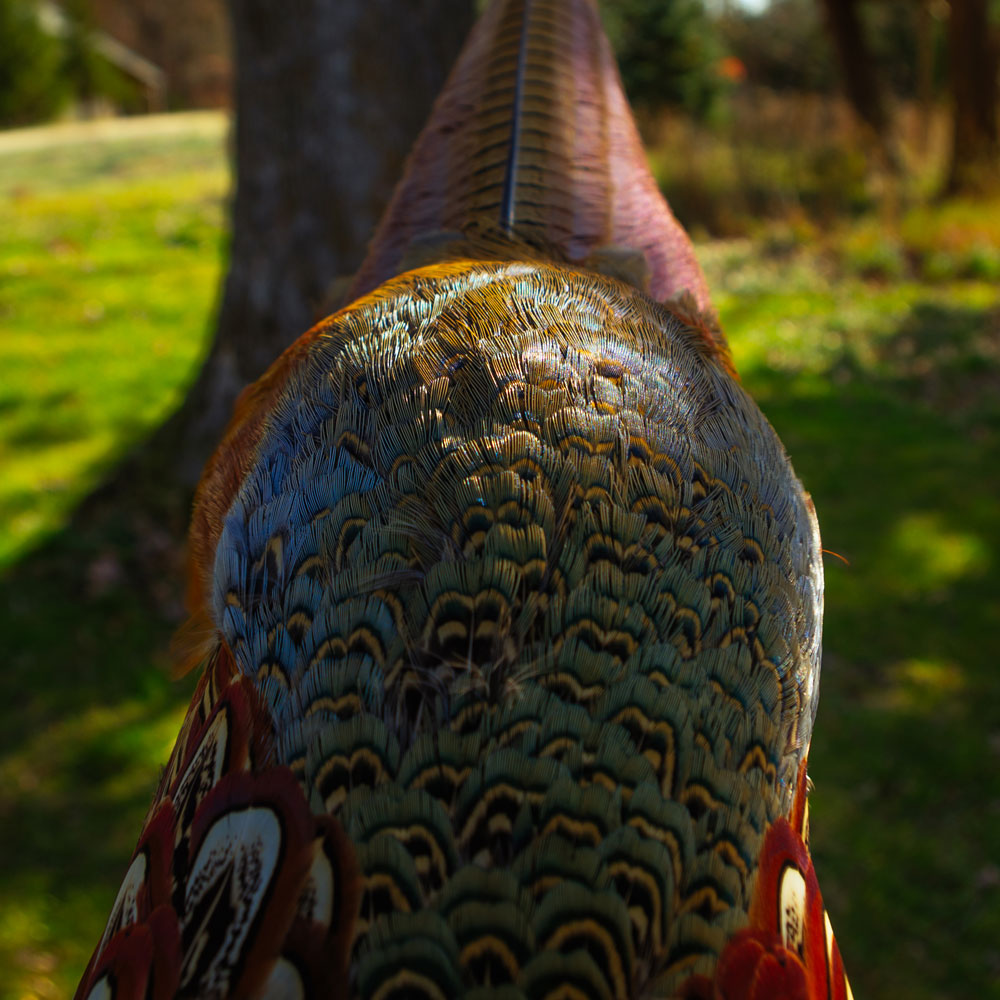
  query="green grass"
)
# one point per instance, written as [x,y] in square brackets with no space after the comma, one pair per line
[887,396]
[110,259]
[106,284]
[883,382]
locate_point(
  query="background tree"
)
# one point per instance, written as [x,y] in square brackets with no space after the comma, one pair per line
[784,47]
[972,49]
[668,51]
[861,81]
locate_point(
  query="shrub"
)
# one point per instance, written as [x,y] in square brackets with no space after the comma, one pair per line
[32,86]
[668,51]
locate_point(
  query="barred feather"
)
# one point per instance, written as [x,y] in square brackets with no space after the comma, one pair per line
[517,604]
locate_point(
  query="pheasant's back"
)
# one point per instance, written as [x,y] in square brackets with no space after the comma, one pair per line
[515,607]
[529,588]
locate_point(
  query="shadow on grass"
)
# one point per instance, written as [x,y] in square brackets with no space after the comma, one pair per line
[36,420]
[949,358]
[902,461]
[89,714]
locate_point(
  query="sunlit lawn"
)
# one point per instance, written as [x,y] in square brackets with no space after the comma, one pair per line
[886,393]
[110,257]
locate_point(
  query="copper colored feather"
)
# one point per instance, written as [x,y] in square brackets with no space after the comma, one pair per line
[516,606]
[533,133]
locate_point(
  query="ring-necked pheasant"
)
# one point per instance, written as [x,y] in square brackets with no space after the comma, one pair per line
[516,604]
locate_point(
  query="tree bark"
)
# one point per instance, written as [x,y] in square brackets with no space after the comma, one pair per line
[972,54]
[330,94]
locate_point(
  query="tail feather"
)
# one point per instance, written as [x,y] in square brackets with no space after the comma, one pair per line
[533,135]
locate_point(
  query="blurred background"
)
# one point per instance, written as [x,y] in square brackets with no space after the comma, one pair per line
[184,189]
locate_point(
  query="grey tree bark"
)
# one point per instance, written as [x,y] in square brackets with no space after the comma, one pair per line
[330,94]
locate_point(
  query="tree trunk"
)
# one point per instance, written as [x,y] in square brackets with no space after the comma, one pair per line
[861,82]
[330,94]
[925,72]
[972,55]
